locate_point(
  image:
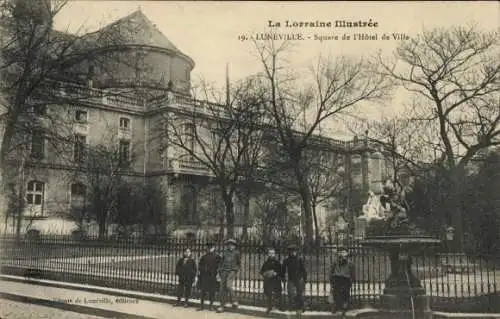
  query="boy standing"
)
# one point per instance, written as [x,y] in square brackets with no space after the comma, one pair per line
[208,275]
[271,270]
[341,279]
[297,277]
[228,269]
[185,269]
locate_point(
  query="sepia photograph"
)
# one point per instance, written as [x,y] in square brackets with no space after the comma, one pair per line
[249,159]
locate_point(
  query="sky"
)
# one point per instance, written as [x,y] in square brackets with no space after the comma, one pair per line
[209,32]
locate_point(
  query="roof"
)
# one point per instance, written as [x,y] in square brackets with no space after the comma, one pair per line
[139,30]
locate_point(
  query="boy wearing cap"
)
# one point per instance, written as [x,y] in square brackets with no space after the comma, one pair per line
[207,276]
[228,269]
[341,279]
[293,265]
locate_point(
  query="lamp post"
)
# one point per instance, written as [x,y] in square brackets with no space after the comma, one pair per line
[449,236]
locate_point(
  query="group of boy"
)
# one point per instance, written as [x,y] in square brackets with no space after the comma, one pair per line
[218,272]
[214,273]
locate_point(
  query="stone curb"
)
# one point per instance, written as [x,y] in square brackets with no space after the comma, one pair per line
[242,309]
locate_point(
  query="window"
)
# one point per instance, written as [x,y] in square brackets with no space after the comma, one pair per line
[78,194]
[40,109]
[34,197]
[90,72]
[190,132]
[37,145]
[81,116]
[124,152]
[79,148]
[78,200]
[189,205]
[78,189]
[124,123]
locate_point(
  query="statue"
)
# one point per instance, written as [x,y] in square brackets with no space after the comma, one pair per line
[396,207]
[387,214]
[373,208]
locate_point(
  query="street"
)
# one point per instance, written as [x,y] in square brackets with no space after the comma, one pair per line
[20,310]
[110,306]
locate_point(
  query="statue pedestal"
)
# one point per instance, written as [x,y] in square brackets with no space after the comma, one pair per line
[401,305]
[360,225]
[404,296]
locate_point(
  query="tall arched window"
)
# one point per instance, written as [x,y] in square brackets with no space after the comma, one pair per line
[35,198]
[189,205]
[78,200]
[78,192]
[190,136]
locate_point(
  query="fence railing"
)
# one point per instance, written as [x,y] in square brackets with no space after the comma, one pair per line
[454,281]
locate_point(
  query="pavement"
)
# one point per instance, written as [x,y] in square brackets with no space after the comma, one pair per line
[33,300]
[21,310]
[38,298]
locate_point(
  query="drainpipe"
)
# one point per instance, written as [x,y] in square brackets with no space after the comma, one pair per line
[146,144]
[22,185]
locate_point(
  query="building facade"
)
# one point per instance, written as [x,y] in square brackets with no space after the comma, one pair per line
[120,98]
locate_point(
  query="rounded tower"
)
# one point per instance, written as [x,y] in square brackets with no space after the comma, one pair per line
[136,54]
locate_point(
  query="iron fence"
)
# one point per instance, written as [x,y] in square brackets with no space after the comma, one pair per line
[454,281]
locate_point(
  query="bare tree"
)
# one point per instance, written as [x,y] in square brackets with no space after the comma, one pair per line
[274,216]
[405,145]
[326,180]
[297,109]
[154,210]
[325,177]
[102,169]
[225,138]
[42,71]
[454,73]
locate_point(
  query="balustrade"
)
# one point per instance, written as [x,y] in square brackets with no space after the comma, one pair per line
[187,166]
[107,97]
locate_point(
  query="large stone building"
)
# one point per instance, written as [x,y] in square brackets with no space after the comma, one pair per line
[119,98]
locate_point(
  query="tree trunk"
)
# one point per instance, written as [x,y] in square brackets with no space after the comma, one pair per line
[221,226]
[228,202]
[102,225]
[19,212]
[4,145]
[5,200]
[246,215]
[315,219]
[454,207]
[3,191]
[306,197]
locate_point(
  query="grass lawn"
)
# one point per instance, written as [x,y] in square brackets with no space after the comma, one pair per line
[76,251]
[374,268]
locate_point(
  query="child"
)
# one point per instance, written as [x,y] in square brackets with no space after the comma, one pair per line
[297,277]
[186,271]
[228,269]
[208,275]
[341,279]
[272,273]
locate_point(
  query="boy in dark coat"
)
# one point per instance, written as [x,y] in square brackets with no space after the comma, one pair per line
[271,270]
[186,271]
[207,278]
[297,277]
[341,279]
